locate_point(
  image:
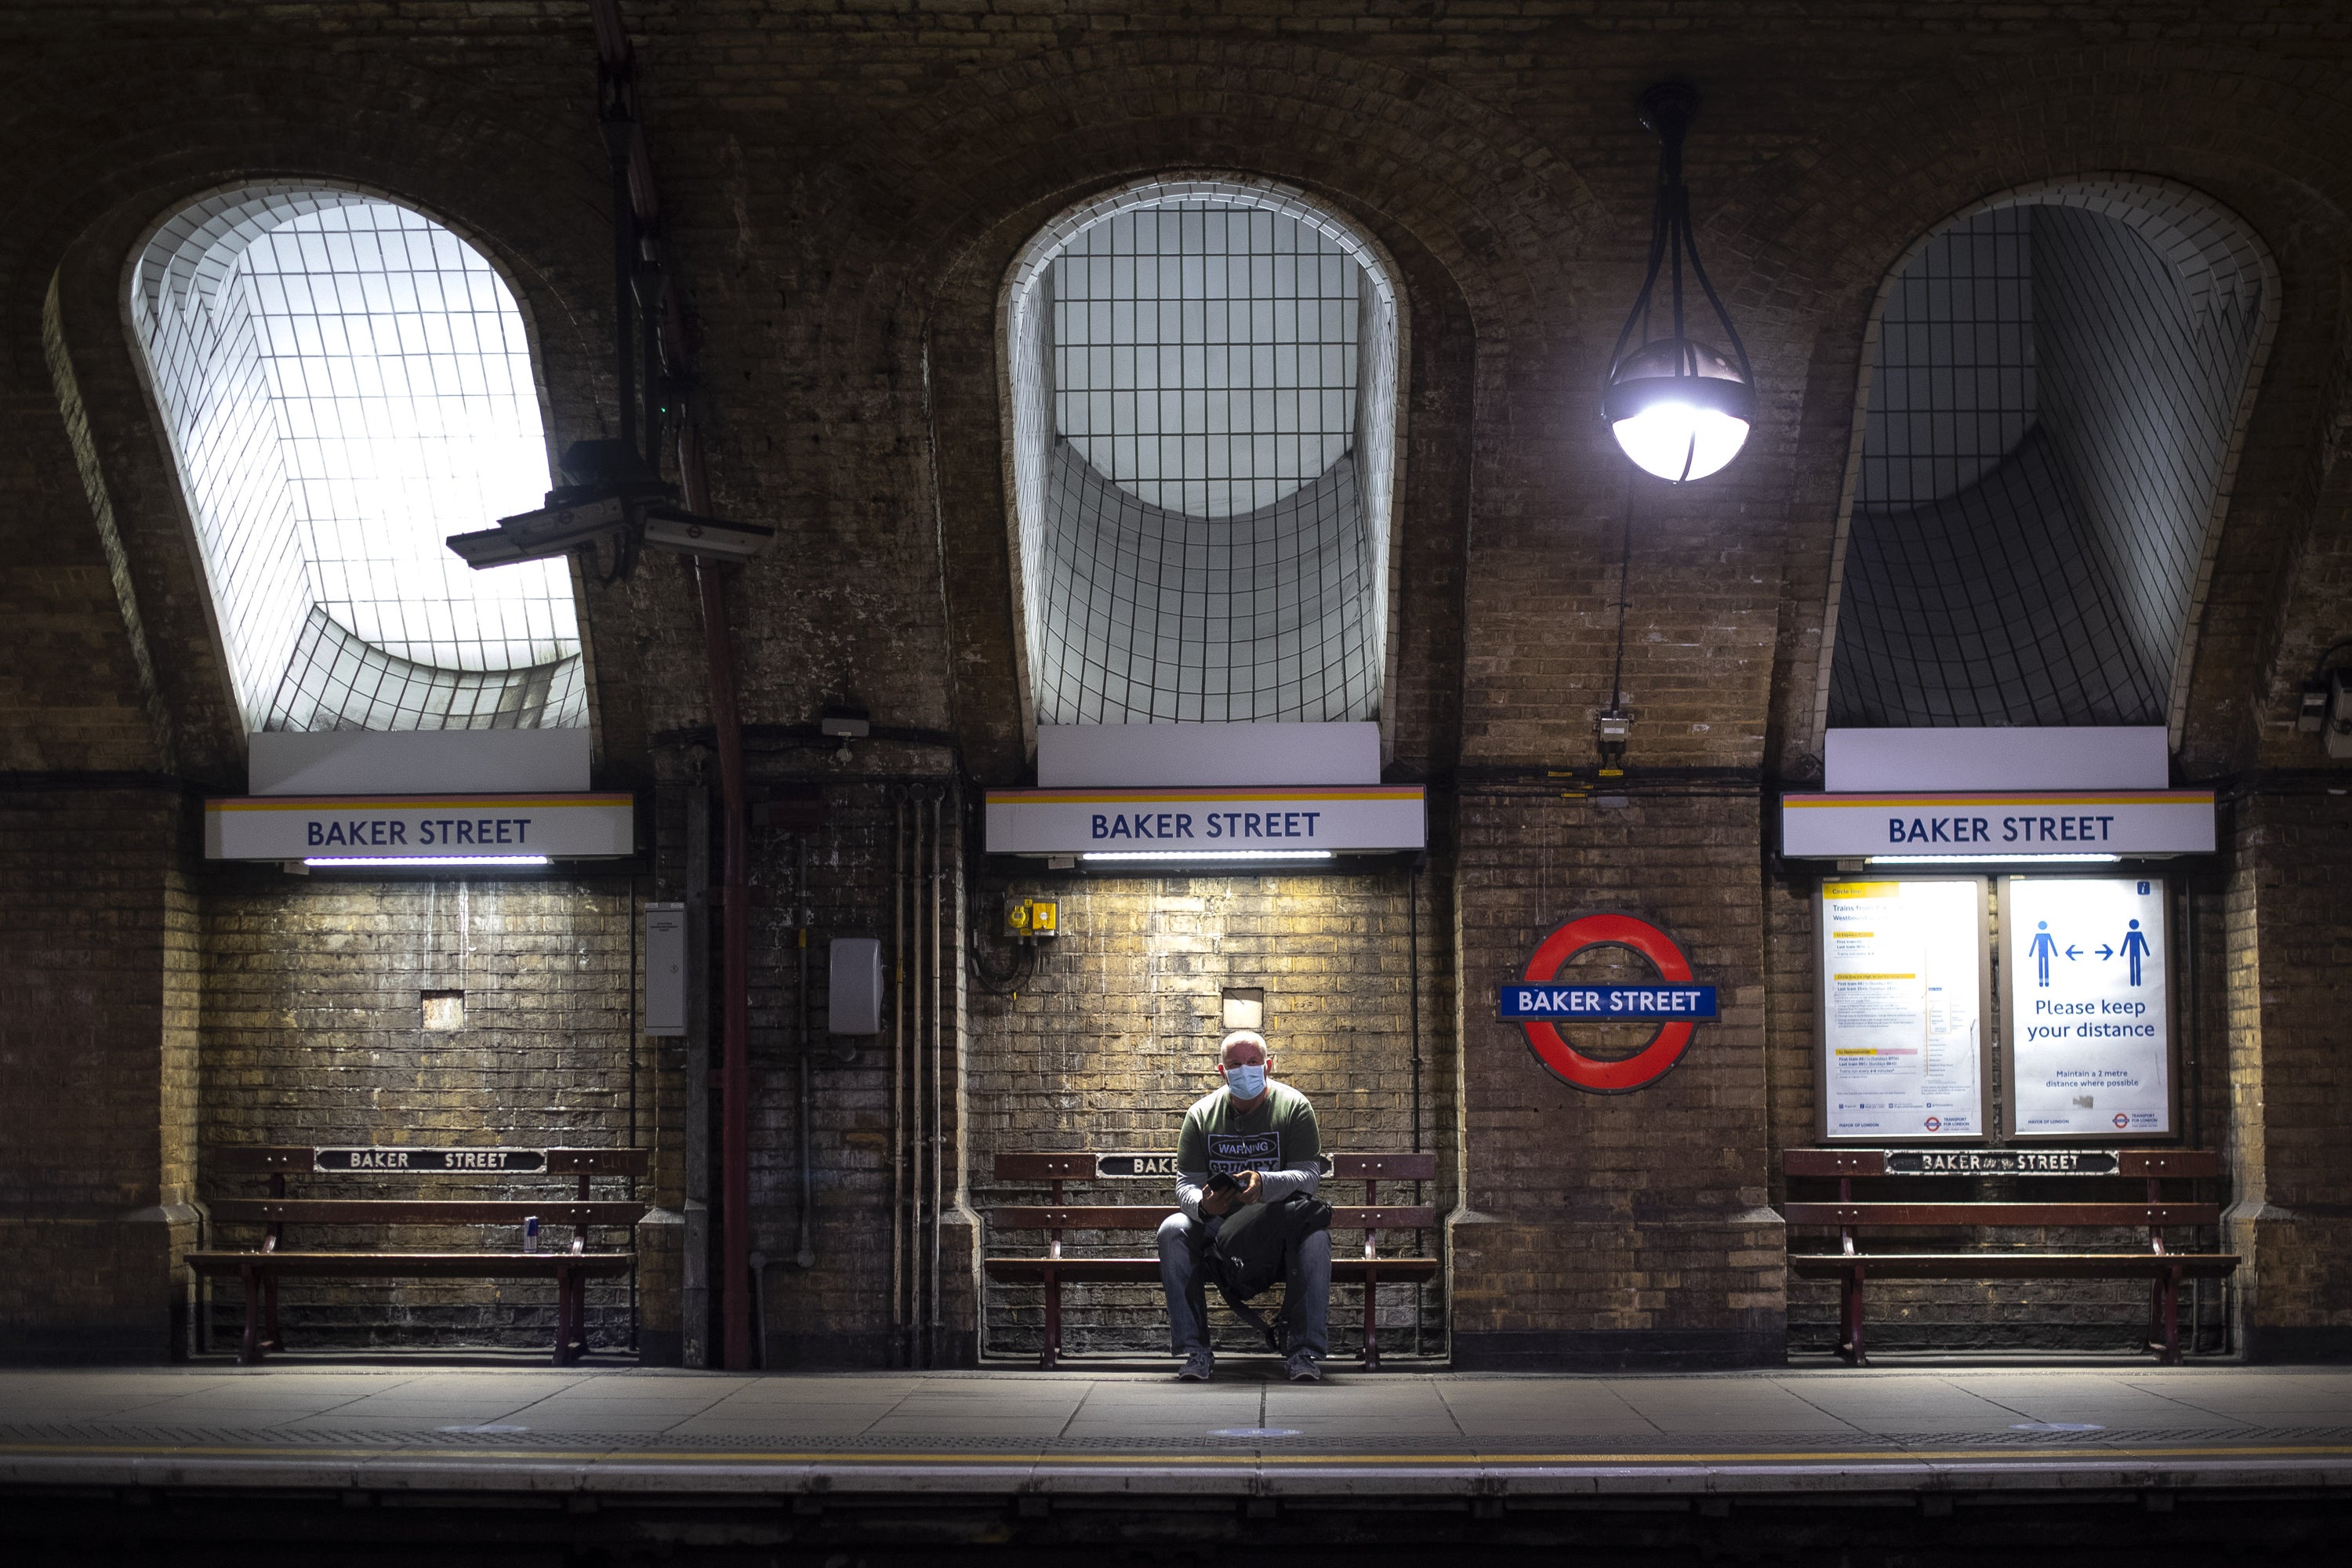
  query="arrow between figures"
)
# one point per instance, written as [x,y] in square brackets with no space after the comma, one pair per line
[2105,952]
[2072,954]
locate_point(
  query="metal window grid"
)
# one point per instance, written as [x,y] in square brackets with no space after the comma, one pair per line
[2050,415]
[346,382]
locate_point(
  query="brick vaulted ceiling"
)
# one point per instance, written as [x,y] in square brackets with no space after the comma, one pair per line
[846,190]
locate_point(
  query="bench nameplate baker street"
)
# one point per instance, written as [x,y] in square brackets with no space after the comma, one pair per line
[1130,1167]
[2000,1162]
[501,1161]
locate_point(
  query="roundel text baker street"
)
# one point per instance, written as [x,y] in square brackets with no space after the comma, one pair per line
[1540,1004]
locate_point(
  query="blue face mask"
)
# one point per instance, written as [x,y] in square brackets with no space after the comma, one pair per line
[1246,1082]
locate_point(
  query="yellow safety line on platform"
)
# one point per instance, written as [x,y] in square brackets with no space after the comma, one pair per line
[1815,1457]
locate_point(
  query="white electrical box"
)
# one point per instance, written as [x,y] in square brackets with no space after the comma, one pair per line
[855,997]
[664,969]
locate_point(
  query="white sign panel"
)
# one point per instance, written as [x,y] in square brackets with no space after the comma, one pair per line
[1903,1002]
[1196,822]
[2089,1033]
[419,827]
[2041,757]
[2005,826]
[1240,756]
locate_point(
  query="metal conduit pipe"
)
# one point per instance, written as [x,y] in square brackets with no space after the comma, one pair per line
[637,260]
[915,1054]
[899,1078]
[938,1064]
[735,953]
[806,1256]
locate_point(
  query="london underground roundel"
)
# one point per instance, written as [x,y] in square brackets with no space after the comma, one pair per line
[1541,1005]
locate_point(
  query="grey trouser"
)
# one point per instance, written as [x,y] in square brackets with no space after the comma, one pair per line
[1306,1290]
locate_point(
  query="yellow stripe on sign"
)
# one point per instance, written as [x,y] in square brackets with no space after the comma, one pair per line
[2010,802]
[1861,889]
[357,803]
[1850,935]
[1243,796]
[1874,977]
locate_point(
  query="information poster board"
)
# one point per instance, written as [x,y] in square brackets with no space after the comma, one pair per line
[1905,981]
[2088,1021]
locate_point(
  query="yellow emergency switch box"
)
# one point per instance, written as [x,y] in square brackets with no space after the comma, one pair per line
[1034,917]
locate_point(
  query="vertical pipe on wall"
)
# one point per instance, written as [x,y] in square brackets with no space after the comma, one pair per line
[735,951]
[806,1255]
[2190,1028]
[938,1065]
[618,133]
[1413,972]
[694,1294]
[899,1078]
[915,1085]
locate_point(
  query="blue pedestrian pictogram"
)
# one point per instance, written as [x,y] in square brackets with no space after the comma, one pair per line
[2135,946]
[2044,947]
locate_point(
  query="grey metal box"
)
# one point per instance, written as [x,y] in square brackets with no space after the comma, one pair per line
[855,1004]
[664,969]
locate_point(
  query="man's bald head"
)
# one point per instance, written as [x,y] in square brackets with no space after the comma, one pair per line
[1242,1048]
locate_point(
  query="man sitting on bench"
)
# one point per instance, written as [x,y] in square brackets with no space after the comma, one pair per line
[1263,1135]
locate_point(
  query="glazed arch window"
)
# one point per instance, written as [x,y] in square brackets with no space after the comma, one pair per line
[1202,425]
[344,383]
[2050,428]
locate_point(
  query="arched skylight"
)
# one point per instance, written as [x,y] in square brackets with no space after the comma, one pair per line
[346,382]
[1203,379]
[2051,426]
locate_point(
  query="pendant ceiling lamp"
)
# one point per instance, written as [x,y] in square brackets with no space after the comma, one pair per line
[1679,407]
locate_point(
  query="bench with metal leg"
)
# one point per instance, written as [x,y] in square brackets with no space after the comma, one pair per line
[2160,1265]
[571,1267]
[1054,1268]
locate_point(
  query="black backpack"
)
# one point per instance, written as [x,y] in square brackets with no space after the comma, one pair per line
[1252,1248]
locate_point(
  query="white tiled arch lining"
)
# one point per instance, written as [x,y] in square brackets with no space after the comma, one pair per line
[2214,253]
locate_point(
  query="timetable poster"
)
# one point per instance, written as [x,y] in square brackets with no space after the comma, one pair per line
[1903,980]
[2090,1034]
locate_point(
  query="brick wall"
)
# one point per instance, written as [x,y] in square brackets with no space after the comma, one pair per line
[1627,1229]
[96,1069]
[1114,1034]
[315,1032]
[2290,1138]
[1959,1314]
[842,189]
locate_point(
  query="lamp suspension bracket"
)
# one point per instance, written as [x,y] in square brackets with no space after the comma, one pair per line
[613,487]
[1679,407]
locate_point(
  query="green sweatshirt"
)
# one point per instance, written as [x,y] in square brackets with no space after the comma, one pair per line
[1277,1135]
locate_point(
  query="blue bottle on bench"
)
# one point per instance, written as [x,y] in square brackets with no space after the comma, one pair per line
[531,1234]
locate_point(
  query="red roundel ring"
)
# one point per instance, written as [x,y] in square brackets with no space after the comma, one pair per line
[1649,1064]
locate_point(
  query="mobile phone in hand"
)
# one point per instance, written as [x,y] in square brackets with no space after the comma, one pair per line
[1222,1182]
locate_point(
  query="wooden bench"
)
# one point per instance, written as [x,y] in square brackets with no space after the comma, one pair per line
[571,1267]
[1053,1217]
[2164,1268]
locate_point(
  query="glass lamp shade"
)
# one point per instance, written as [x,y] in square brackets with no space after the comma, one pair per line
[1679,409]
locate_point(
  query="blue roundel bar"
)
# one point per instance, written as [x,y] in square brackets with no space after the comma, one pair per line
[1607,1003]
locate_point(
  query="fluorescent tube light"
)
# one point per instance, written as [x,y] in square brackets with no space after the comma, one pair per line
[1209,855]
[341,860]
[1986,859]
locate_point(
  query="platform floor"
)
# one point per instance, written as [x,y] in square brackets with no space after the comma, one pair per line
[365,1430]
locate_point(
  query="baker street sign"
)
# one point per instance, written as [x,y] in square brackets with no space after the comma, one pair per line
[477,1162]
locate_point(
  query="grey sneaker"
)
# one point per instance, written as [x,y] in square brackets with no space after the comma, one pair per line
[1199,1367]
[1302,1368]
